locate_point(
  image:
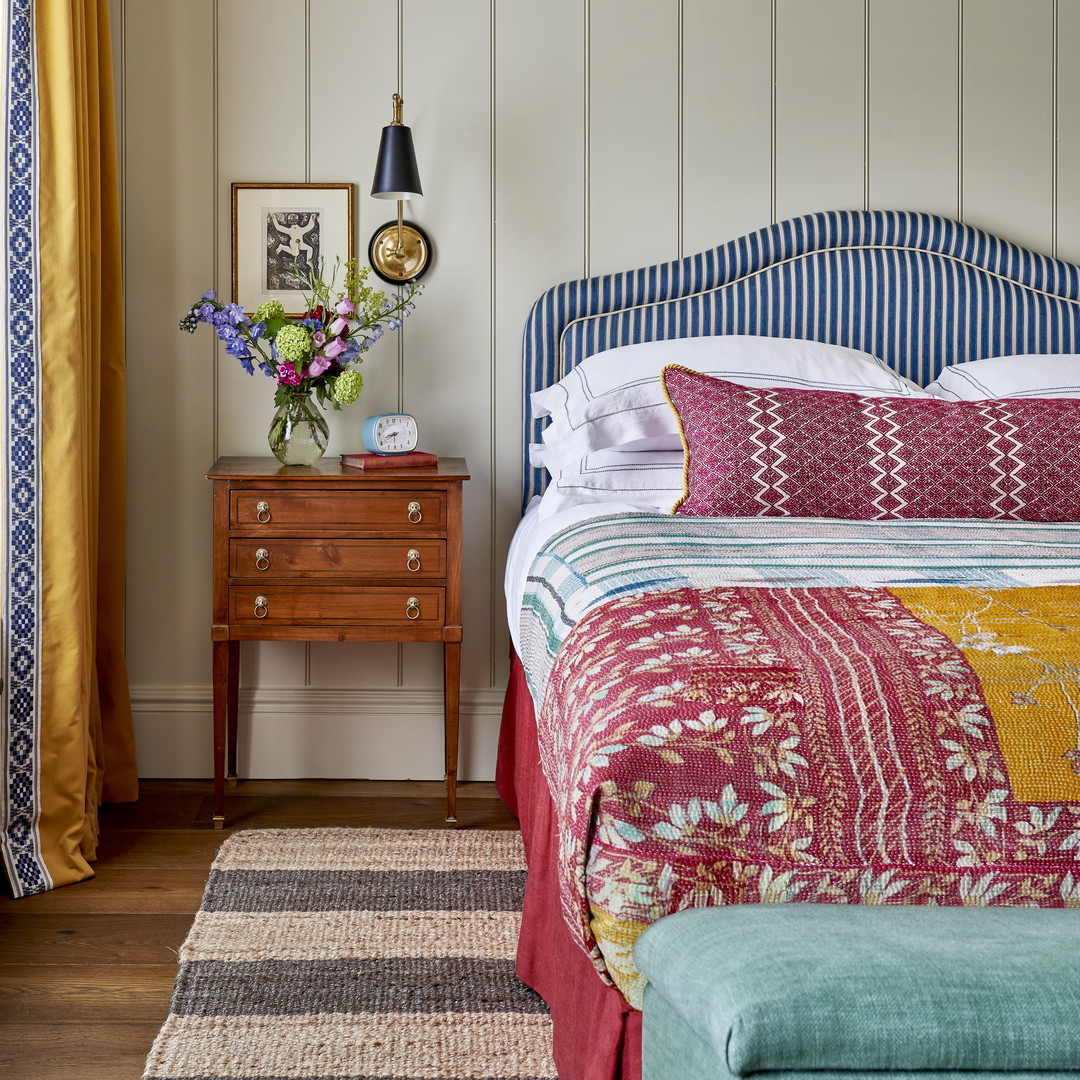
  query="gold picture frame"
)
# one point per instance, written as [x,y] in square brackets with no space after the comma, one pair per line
[275,227]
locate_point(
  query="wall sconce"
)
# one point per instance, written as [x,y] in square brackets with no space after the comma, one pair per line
[399,251]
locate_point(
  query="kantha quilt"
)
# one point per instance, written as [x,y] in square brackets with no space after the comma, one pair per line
[748,711]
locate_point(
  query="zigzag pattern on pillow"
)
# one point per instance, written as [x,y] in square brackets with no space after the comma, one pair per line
[767,452]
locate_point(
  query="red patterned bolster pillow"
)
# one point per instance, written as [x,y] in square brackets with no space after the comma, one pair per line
[769,452]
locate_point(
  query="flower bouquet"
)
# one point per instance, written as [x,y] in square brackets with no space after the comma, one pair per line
[314,354]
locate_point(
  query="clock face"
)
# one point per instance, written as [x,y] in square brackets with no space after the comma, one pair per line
[395,434]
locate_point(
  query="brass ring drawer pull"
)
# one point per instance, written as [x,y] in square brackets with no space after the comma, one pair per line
[415,514]
[412,608]
[262,559]
[412,560]
[261,607]
[262,507]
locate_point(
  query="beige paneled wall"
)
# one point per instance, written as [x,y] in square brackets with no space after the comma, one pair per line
[913,134]
[1007,88]
[555,139]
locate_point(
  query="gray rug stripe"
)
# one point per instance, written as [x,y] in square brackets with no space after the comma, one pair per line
[410,985]
[366,890]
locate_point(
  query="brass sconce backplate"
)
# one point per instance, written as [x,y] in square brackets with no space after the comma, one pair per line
[399,260]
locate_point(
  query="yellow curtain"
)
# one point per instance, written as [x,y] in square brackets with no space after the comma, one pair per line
[86,746]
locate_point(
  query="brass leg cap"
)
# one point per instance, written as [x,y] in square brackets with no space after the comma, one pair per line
[219,821]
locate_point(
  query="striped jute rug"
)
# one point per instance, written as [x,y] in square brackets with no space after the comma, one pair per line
[356,954]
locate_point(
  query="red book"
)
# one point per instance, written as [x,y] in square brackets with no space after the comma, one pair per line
[413,460]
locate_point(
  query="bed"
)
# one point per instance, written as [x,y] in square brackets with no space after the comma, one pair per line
[845,668]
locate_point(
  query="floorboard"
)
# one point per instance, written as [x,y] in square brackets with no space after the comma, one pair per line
[87,971]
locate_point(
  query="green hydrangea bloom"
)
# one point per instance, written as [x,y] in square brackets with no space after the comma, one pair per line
[347,387]
[272,309]
[293,344]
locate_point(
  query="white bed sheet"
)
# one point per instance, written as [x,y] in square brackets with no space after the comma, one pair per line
[531,535]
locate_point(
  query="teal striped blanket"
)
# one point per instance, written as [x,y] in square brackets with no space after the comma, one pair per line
[604,558]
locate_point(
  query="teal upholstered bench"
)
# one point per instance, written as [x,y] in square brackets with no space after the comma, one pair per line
[823,991]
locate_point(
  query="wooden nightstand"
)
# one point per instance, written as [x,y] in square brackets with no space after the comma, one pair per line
[330,553]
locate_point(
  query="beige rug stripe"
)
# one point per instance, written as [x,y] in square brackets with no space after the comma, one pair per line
[371,849]
[332,935]
[464,1045]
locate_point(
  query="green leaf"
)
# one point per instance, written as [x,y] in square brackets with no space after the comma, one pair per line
[274,325]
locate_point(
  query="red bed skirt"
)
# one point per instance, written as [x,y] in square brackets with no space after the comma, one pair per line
[597,1035]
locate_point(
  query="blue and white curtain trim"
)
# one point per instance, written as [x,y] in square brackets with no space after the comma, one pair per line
[22,481]
[916,290]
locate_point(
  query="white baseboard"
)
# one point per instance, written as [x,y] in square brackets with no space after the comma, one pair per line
[295,733]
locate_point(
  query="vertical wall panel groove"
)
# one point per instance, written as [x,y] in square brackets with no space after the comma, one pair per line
[495,585]
[1054,136]
[1067,133]
[866,105]
[960,109]
[772,110]
[586,269]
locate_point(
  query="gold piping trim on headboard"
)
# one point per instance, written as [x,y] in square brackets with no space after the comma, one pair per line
[796,258]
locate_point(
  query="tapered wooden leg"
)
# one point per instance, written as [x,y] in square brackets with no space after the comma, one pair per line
[451,691]
[233,706]
[221,702]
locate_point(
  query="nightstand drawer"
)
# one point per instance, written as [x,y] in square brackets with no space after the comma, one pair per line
[416,511]
[297,605]
[424,560]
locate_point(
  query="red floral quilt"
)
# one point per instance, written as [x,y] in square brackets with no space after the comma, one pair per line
[832,744]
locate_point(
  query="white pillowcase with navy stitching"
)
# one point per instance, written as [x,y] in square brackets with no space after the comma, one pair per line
[614,399]
[1028,375]
[651,479]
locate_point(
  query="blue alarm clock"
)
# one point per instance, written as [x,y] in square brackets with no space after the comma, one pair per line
[390,433]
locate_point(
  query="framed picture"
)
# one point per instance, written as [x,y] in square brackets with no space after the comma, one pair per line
[279,227]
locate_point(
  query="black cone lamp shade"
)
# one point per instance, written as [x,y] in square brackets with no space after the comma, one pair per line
[396,174]
[399,251]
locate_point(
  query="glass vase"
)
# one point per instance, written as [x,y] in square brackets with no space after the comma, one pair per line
[299,433]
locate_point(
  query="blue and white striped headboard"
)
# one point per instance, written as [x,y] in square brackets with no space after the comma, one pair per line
[918,291]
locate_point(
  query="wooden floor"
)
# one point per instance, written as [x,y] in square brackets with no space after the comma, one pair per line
[86,971]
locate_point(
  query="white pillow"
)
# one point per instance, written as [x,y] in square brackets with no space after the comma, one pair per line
[1037,375]
[653,480]
[615,398]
